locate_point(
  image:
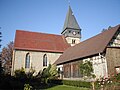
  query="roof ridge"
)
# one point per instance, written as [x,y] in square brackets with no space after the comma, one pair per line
[39,32]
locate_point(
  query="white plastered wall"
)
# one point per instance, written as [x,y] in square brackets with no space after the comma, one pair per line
[99,66]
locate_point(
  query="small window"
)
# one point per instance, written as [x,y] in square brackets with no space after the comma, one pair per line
[73,41]
[45,60]
[27,61]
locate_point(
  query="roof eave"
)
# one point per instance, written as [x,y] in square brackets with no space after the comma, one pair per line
[39,50]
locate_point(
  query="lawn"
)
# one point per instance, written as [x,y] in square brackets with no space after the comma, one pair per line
[65,87]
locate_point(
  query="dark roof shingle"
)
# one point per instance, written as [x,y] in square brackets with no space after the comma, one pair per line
[92,46]
[25,40]
[70,21]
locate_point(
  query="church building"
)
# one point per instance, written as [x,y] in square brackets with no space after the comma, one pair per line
[38,50]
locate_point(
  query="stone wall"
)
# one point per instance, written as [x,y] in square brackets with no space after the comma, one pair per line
[36,59]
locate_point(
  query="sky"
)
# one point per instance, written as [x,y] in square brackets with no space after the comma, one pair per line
[48,16]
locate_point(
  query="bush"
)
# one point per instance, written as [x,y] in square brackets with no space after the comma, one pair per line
[55,81]
[20,74]
[27,87]
[77,83]
[72,83]
[117,77]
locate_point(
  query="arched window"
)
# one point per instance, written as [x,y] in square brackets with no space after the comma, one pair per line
[45,60]
[27,61]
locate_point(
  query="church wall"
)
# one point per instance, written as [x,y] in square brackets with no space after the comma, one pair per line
[36,59]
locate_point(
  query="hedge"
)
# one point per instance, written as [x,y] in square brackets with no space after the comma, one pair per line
[72,83]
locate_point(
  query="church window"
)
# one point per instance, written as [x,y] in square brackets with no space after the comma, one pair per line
[73,41]
[45,60]
[27,61]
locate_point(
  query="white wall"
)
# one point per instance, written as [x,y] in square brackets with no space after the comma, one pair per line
[69,40]
[99,65]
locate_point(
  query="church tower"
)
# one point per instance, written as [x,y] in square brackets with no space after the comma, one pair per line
[71,29]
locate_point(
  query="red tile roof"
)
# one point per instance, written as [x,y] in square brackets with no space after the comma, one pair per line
[92,46]
[25,40]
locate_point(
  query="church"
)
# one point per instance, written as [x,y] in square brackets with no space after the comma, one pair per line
[37,50]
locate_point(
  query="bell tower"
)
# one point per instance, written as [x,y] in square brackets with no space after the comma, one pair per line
[71,29]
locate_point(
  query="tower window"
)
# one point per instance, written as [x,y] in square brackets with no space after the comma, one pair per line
[45,60]
[73,41]
[27,61]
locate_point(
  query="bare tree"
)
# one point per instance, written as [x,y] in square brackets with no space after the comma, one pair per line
[6,57]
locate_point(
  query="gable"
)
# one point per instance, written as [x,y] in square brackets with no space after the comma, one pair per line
[115,41]
[25,40]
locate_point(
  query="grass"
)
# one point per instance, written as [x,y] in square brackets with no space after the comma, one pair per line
[65,87]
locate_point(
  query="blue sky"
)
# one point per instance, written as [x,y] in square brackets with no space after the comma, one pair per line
[48,16]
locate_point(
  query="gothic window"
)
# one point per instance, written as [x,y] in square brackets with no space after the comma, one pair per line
[27,61]
[45,60]
[73,41]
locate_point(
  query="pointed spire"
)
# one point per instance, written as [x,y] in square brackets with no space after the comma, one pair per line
[70,21]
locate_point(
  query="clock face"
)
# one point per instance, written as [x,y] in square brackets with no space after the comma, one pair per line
[74,33]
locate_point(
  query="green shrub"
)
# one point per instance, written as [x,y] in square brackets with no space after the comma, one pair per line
[20,73]
[55,81]
[27,87]
[117,76]
[72,83]
[77,83]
